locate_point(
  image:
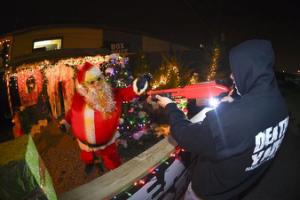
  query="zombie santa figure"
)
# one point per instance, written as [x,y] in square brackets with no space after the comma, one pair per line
[95,113]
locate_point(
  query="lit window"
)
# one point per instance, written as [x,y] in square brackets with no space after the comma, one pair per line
[47,45]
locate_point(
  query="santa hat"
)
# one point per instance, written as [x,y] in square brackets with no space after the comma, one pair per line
[88,72]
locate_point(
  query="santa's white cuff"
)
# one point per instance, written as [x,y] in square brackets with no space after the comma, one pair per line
[135,88]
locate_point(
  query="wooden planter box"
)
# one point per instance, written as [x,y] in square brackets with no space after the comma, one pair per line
[117,181]
[23,174]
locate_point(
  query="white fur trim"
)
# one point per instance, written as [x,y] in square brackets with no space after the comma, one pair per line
[135,89]
[85,147]
[92,74]
[89,125]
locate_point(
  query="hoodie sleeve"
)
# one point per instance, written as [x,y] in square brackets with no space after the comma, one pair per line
[194,137]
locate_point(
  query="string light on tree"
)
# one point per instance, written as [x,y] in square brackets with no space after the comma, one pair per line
[194,79]
[173,73]
[134,123]
[167,73]
[214,64]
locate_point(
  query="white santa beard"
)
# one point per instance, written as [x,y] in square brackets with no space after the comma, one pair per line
[99,97]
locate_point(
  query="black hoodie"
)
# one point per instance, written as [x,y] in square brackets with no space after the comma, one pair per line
[237,141]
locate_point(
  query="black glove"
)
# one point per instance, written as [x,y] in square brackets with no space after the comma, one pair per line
[64,126]
[142,80]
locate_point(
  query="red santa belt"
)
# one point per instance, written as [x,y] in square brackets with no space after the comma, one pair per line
[92,145]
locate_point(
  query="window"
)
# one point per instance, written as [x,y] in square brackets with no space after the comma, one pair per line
[47,45]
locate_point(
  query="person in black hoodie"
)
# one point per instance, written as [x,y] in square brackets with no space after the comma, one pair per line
[237,141]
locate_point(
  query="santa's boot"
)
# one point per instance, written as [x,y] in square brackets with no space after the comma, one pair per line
[100,167]
[99,164]
[88,159]
[110,157]
[88,168]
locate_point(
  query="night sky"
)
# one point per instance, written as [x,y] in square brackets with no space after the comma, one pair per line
[189,22]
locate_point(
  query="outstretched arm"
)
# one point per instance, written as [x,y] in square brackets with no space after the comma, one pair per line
[139,86]
[194,137]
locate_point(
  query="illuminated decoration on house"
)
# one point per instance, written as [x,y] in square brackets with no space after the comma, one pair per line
[30,85]
[214,64]
[55,75]
[4,53]
[31,77]
[8,93]
[73,62]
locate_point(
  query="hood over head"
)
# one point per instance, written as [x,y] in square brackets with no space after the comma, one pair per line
[251,64]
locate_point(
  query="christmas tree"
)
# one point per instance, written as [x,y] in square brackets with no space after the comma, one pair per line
[116,71]
[134,123]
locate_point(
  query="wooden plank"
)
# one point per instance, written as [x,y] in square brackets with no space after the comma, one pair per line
[119,179]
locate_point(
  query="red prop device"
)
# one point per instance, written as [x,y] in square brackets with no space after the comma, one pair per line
[196,91]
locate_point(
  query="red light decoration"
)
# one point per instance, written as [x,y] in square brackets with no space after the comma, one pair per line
[29,97]
[141,182]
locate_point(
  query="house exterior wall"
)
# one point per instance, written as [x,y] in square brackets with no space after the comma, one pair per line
[89,38]
[71,38]
[154,45]
[121,41]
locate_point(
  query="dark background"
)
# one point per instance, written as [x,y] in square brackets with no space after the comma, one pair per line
[189,22]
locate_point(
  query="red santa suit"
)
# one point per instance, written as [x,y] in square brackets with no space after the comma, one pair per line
[96,131]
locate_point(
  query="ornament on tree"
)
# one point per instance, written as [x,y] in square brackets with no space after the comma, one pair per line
[135,122]
[137,135]
[115,69]
[109,71]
